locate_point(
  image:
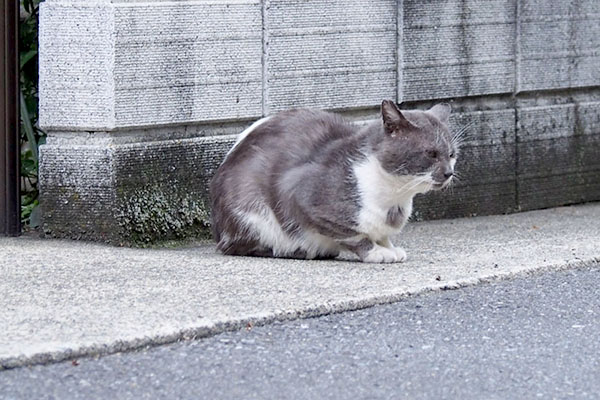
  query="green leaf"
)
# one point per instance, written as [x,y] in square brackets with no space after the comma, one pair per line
[30,211]
[28,128]
[24,58]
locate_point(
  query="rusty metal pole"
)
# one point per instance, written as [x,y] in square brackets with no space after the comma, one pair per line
[10,221]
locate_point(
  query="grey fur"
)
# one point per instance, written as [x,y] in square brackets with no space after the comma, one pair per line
[395,217]
[361,248]
[298,164]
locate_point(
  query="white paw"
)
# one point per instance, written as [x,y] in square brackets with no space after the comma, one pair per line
[400,253]
[381,255]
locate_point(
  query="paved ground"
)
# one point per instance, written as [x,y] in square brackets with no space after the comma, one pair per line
[63,299]
[532,337]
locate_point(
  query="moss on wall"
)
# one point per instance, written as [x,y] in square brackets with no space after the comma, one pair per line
[156,214]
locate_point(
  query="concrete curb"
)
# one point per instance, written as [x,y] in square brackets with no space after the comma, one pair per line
[259,320]
[25,348]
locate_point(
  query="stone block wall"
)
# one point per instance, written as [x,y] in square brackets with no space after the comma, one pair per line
[335,54]
[457,48]
[141,100]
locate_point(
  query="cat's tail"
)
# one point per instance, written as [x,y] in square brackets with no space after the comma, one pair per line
[244,248]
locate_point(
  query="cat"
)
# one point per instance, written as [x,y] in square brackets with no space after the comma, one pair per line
[307,183]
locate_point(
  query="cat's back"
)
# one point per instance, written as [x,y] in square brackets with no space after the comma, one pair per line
[295,135]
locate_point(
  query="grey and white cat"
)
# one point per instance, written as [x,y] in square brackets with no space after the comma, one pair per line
[307,183]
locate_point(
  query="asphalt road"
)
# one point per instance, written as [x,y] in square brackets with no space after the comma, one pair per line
[537,336]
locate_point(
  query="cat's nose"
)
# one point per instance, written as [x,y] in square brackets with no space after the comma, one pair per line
[448,174]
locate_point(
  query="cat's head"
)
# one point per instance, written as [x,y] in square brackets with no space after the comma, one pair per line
[418,144]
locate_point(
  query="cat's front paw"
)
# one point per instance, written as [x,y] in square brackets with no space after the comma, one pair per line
[381,255]
[400,254]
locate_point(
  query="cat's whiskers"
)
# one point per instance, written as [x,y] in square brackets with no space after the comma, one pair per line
[413,184]
[459,137]
[457,176]
[402,188]
[400,168]
[451,187]
[458,142]
[464,128]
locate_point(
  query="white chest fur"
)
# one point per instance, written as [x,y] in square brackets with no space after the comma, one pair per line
[381,191]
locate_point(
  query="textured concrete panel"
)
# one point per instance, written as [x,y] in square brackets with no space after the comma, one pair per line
[129,194]
[166,197]
[76,165]
[108,66]
[187,61]
[76,83]
[77,191]
[559,155]
[330,54]
[486,181]
[455,48]
[559,44]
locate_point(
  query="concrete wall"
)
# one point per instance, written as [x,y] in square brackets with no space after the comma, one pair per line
[140,99]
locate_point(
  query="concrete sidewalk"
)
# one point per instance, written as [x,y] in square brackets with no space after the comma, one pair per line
[64,299]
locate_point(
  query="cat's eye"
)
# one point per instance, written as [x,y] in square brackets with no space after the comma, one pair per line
[432,153]
[452,154]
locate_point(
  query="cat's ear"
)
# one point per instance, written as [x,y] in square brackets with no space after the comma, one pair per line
[441,111]
[393,120]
